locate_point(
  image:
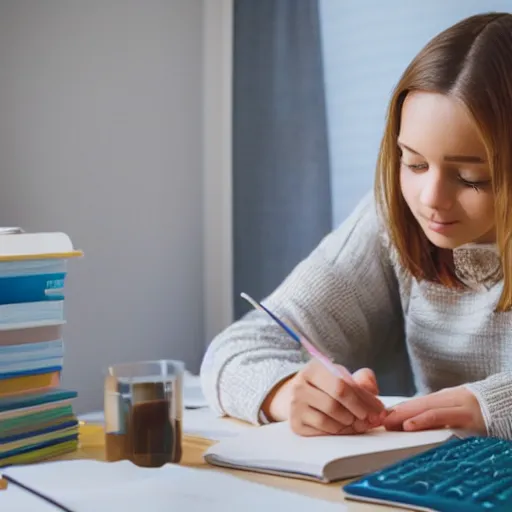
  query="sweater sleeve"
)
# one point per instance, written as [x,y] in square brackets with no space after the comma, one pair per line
[494,394]
[344,296]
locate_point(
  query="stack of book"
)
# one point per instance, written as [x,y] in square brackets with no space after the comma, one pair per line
[37,420]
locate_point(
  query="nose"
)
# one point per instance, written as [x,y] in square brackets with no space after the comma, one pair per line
[436,193]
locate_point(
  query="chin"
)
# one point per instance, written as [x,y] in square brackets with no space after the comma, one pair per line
[444,242]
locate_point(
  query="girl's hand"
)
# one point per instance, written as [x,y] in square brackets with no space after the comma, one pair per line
[316,402]
[455,407]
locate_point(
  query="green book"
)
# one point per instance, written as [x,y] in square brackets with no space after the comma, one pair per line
[40,454]
[36,420]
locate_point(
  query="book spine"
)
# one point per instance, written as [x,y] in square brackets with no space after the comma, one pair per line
[29,335]
[66,425]
[41,451]
[30,373]
[34,400]
[32,288]
[31,368]
[29,419]
[12,315]
[31,352]
[30,383]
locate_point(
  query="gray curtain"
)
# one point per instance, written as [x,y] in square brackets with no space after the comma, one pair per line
[281,175]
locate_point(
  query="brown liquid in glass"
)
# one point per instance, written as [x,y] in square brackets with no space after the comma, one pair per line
[152,438]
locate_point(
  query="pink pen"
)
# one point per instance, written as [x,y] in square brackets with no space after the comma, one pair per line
[337,370]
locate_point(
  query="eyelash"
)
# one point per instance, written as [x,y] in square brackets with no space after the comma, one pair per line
[416,167]
[475,185]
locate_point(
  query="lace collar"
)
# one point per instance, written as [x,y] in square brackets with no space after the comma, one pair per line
[478,265]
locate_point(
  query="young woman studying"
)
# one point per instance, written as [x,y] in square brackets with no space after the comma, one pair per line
[424,261]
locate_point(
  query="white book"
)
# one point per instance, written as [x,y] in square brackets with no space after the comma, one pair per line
[276,449]
[20,245]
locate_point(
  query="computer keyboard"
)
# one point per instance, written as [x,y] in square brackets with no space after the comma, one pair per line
[466,475]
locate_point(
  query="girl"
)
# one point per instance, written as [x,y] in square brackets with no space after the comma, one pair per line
[425,261]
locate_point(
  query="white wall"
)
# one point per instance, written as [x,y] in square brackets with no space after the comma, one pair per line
[218,223]
[101,134]
[367,46]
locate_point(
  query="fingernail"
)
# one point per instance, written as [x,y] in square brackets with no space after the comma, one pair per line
[409,425]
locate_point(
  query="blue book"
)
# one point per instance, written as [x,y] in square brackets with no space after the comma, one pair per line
[32,280]
[32,267]
[27,314]
[12,354]
[14,370]
[40,287]
[38,432]
[15,402]
[28,373]
[37,446]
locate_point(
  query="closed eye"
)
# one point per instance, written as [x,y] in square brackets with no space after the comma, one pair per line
[416,167]
[476,185]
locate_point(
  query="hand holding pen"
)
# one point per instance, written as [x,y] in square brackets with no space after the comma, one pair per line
[323,398]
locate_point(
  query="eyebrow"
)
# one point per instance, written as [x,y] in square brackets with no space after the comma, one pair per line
[467,159]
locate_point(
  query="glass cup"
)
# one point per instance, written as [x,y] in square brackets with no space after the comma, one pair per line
[143,412]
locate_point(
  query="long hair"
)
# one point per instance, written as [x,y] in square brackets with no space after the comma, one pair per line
[472,62]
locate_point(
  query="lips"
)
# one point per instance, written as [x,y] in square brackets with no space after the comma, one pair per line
[443,222]
[439,221]
[442,227]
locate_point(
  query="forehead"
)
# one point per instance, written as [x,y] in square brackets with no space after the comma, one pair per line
[436,125]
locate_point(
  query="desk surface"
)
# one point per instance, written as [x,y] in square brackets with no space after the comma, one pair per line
[92,446]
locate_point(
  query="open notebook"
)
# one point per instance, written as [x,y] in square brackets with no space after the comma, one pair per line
[276,449]
[93,486]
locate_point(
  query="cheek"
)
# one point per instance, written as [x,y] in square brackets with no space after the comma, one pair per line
[479,207]
[408,186]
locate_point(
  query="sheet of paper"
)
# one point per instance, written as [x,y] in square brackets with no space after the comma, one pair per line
[18,500]
[193,396]
[93,417]
[196,422]
[204,423]
[124,486]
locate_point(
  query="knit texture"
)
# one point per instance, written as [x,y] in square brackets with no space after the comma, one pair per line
[352,297]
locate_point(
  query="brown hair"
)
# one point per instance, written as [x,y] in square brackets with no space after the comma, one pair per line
[471,61]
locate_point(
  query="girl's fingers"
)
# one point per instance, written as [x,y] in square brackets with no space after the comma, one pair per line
[307,431]
[455,417]
[321,401]
[367,380]
[320,421]
[351,396]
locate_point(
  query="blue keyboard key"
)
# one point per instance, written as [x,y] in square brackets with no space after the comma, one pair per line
[470,475]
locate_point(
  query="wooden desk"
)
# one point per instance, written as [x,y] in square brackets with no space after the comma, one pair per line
[92,446]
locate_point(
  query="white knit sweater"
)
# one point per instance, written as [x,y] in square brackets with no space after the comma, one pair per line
[352,297]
